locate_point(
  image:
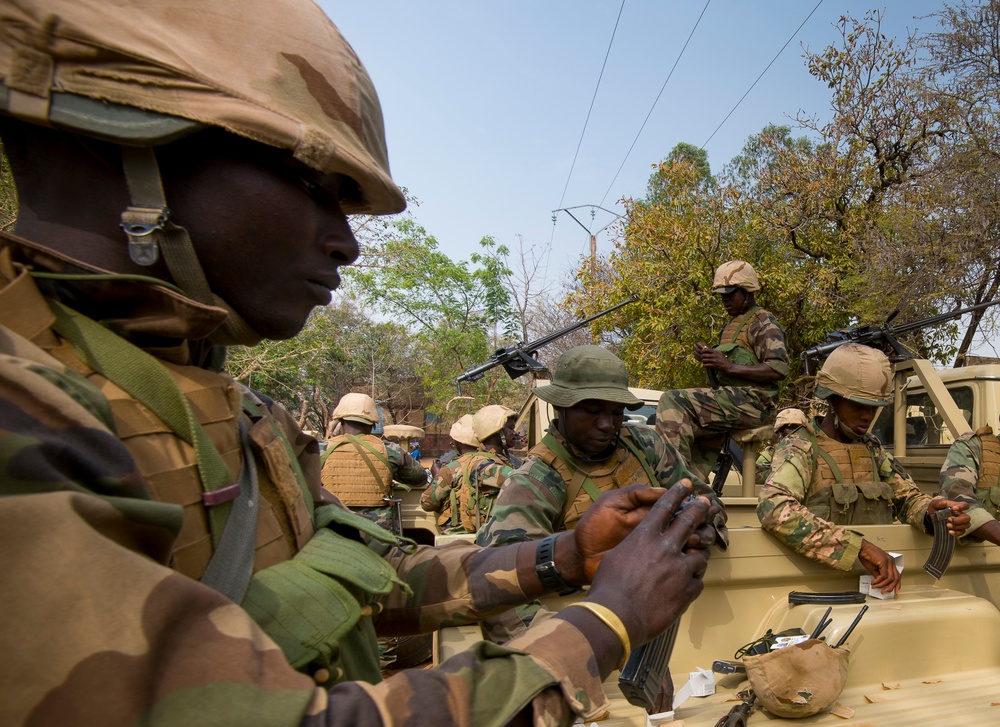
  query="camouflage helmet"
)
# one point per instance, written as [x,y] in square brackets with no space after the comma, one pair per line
[735,274]
[356,407]
[859,373]
[146,73]
[489,420]
[790,417]
[589,372]
[461,431]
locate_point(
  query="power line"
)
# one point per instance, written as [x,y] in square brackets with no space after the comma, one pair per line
[790,39]
[679,56]
[587,120]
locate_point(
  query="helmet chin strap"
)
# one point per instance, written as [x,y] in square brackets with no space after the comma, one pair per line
[146,222]
[845,430]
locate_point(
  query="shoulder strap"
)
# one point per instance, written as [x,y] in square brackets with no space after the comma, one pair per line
[146,379]
[626,439]
[579,480]
[360,445]
[826,457]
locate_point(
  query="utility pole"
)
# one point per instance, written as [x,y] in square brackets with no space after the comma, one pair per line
[591,235]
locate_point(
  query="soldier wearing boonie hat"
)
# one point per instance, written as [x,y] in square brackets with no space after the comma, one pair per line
[744,370]
[830,476]
[184,171]
[586,450]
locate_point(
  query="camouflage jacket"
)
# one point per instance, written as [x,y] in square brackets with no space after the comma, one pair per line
[959,479]
[766,341]
[476,479]
[438,496]
[147,644]
[531,502]
[782,511]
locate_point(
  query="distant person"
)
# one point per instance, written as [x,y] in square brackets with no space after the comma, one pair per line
[787,421]
[744,371]
[359,468]
[442,496]
[832,476]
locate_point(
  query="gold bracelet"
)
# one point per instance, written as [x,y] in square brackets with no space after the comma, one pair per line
[610,619]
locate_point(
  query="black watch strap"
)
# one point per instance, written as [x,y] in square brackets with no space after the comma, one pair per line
[545,567]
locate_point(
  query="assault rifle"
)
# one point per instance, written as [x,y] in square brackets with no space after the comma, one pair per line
[883,336]
[737,716]
[520,358]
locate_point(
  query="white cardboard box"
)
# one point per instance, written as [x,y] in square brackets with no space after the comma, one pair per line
[865,584]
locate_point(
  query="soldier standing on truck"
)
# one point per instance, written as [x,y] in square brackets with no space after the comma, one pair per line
[971,474]
[744,370]
[442,494]
[212,579]
[834,474]
[586,451]
[360,468]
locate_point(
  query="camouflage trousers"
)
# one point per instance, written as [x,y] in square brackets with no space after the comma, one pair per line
[686,415]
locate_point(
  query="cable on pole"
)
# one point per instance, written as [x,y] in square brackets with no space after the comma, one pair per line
[679,56]
[790,39]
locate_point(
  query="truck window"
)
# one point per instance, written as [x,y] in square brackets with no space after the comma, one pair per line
[925,426]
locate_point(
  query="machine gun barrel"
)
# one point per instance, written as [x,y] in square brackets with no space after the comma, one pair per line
[519,358]
[884,334]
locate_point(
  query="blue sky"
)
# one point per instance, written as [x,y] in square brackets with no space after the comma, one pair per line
[485,102]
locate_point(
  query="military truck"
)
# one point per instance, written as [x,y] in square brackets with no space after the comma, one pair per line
[930,655]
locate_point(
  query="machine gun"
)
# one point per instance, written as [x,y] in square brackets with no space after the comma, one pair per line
[884,336]
[520,358]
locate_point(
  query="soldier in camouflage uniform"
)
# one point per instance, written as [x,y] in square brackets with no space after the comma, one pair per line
[442,495]
[587,450]
[744,371]
[787,421]
[360,468]
[971,474]
[832,474]
[175,513]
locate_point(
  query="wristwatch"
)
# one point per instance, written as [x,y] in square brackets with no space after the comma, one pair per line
[545,567]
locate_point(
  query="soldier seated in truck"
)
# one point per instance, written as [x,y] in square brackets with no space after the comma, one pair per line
[744,370]
[971,474]
[441,496]
[832,474]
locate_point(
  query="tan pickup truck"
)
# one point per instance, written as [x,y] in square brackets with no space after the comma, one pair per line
[929,656]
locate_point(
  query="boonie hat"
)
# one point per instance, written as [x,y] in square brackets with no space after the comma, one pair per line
[588,372]
[735,274]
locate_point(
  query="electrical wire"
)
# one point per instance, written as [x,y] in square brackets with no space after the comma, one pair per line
[790,39]
[587,120]
[679,56]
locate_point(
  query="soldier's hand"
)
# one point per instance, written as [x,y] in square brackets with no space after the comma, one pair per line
[957,523]
[700,348]
[881,565]
[651,578]
[615,514]
[714,359]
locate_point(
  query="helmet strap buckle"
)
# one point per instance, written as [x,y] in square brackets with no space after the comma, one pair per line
[142,226]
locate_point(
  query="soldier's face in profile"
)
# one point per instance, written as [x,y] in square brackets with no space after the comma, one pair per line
[856,417]
[734,302]
[592,425]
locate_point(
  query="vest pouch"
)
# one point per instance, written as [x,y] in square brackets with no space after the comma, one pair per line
[308,604]
[874,507]
[799,680]
[845,494]
[738,355]
[993,497]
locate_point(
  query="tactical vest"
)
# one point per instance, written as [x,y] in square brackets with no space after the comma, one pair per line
[846,488]
[304,597]
[988,486]
[585,481]
[735,343]
[356,470]
[475,502]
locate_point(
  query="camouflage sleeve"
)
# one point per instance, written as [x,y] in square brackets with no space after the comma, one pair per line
[490,474]
[782,512]
[768,341]
[909,503]
[527,507]
[670,468]
[404,468]
[439,492]
[959,479]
